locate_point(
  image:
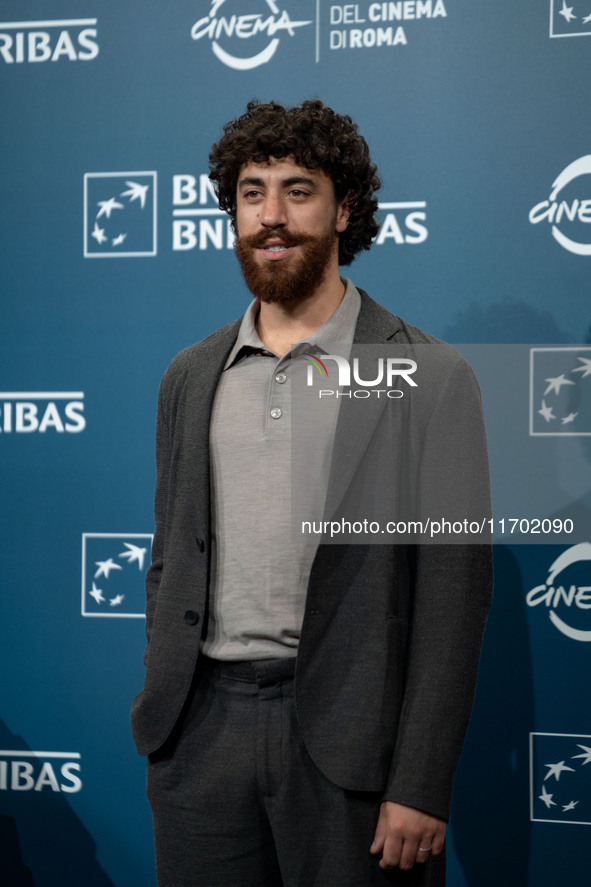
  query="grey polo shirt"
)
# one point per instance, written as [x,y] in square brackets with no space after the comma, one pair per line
[260,571]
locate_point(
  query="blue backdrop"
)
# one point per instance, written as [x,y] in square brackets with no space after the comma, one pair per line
[115,256]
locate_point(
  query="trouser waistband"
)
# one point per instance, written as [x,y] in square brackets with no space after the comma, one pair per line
[257,671]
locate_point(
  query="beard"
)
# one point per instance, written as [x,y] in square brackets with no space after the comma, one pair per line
[285,282]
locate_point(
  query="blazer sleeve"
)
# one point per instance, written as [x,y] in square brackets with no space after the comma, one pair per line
[451,597]
[163,466]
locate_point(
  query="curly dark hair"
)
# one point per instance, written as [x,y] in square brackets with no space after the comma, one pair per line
[317,138]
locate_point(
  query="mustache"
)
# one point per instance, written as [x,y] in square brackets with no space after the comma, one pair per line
[285,237]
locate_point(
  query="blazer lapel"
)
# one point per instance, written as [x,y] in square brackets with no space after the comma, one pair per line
[358,418]
[202,382]
[374,326]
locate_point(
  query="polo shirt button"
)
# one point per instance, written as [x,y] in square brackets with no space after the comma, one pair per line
[191,617]
[199,542]
[276,413]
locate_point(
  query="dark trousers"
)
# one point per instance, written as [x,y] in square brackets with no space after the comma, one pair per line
[237,801]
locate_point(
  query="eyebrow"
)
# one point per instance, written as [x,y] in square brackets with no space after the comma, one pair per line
[255,181]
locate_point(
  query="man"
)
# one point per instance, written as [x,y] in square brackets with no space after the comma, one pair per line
[343,775]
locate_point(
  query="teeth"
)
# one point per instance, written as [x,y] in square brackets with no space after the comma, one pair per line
[275,249]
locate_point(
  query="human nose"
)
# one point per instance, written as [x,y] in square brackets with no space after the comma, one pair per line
[273,215]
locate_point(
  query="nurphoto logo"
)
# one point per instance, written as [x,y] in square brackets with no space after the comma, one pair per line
[383,372]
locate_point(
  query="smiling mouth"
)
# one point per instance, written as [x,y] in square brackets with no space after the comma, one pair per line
[275,251]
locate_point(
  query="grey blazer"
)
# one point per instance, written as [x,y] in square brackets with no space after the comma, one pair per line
[391,636]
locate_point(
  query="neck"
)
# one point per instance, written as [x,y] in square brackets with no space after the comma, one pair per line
[280,326]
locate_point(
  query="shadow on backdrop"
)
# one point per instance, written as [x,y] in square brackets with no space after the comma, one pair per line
[43,843]
[490,816]
[510,322]
[13,871]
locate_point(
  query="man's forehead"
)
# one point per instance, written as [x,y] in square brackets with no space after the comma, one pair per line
[283,167]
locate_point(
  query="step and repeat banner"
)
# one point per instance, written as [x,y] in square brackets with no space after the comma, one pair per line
[115,256]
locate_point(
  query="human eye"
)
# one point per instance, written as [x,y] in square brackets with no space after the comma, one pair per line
[298,193]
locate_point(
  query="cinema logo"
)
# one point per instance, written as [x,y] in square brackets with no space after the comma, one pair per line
[26,771]
[568,208]
[387,371]
[566,593]
[373,25]
[49,41]
[29,412]
[262,29]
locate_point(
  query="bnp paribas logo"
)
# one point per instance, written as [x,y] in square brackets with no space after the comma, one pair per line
[560,778]
[560,391]
[570,19]
[120,214]
[113,569]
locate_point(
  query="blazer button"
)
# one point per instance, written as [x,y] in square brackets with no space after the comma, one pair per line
[200,543]
[191,617]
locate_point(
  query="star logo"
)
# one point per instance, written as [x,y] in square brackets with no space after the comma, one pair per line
[567,12]
[99,233]
[107,207]
[134,554]
[586,754]
[585,369]
[557,383]
[569,19]
[113,571]
[546,412]
[560,786]
[546,798]
[105,567]
[556,769]
[570,806]
[136,192]
[560,391]
[570,418]
[120,214]
[97,594]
